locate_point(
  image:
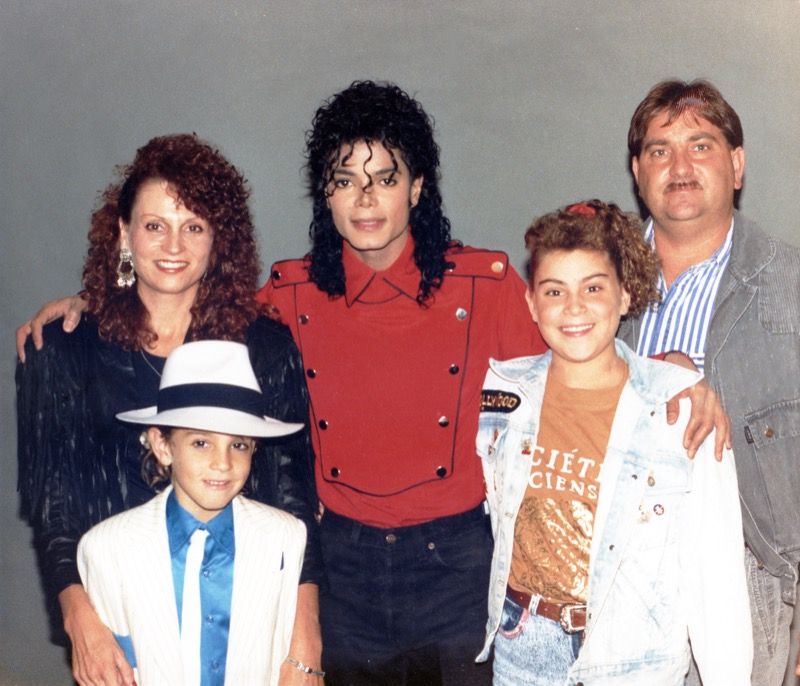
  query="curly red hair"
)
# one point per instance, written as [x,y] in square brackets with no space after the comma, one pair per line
[208,185]
[604,227]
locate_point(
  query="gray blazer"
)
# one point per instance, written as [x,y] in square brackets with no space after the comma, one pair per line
[753,362]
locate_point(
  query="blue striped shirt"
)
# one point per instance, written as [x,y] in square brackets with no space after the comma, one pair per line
[681,320]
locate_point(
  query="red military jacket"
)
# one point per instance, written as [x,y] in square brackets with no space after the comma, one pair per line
[395,387]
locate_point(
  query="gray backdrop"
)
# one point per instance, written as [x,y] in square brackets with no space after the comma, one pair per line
[531,100]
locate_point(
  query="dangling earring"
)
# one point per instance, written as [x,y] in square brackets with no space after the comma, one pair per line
[125,274]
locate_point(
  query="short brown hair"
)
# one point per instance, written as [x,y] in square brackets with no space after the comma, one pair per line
[678,97]
[603,227]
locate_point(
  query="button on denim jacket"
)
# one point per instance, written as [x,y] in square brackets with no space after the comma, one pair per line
[667,553]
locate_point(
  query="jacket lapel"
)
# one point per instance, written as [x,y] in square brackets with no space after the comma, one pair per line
[255,586]
[739,284]
[156,626]
[620,470]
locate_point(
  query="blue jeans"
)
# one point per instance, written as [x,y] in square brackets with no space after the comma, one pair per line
[538,653]
[405,606]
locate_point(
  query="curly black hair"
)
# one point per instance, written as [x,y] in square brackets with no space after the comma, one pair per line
[375,113]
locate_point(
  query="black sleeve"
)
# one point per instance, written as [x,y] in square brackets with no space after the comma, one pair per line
[282,474]
[50,408]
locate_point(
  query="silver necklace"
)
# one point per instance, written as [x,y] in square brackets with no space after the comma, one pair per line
[149,364]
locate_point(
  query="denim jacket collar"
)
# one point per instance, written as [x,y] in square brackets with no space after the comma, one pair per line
[653,388]
[751,251]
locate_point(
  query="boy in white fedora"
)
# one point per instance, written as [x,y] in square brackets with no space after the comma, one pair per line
[199,585]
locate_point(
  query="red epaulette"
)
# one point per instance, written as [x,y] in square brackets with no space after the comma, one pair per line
[478,262]
[289,273]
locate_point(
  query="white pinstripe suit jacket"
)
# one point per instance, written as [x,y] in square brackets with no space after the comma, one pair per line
[126,570]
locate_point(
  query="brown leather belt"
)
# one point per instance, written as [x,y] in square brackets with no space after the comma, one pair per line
[571,617]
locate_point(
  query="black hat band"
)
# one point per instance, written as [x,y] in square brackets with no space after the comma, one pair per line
[213,395]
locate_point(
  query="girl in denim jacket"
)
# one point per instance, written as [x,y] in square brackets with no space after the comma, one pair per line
[616,557]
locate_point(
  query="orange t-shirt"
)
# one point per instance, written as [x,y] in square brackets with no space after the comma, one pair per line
[553,531]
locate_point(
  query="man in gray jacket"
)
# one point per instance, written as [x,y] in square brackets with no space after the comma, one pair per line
[731,301]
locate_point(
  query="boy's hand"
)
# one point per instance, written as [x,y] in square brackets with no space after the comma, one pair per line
[71,308]
[97,659]
[707,413]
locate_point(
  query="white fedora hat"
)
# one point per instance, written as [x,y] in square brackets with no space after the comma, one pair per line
[210,386]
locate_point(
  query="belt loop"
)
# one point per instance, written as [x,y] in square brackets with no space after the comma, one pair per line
[355,532]
[534,604]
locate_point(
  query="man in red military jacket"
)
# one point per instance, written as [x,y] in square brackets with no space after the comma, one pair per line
[396,324]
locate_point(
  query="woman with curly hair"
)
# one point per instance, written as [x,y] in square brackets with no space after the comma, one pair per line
[613,550]
[172,258]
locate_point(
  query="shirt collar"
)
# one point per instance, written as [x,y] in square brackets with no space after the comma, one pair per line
[368,286]
[717,261]
[181,525]
[719,256]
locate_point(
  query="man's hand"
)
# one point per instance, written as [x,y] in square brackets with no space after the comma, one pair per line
[306,645]
[97,659]
[707,413]
[70,308]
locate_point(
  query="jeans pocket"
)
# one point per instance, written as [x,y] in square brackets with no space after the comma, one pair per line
[513,618]
[467,550]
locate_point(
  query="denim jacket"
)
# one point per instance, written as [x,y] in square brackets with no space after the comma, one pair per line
[667,555]
[753,362]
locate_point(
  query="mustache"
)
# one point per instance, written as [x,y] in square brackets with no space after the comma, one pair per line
[683,185]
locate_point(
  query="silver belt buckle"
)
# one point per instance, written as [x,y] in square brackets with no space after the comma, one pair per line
[565,618]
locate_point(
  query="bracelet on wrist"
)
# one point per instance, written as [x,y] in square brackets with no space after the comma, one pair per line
[305,668]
